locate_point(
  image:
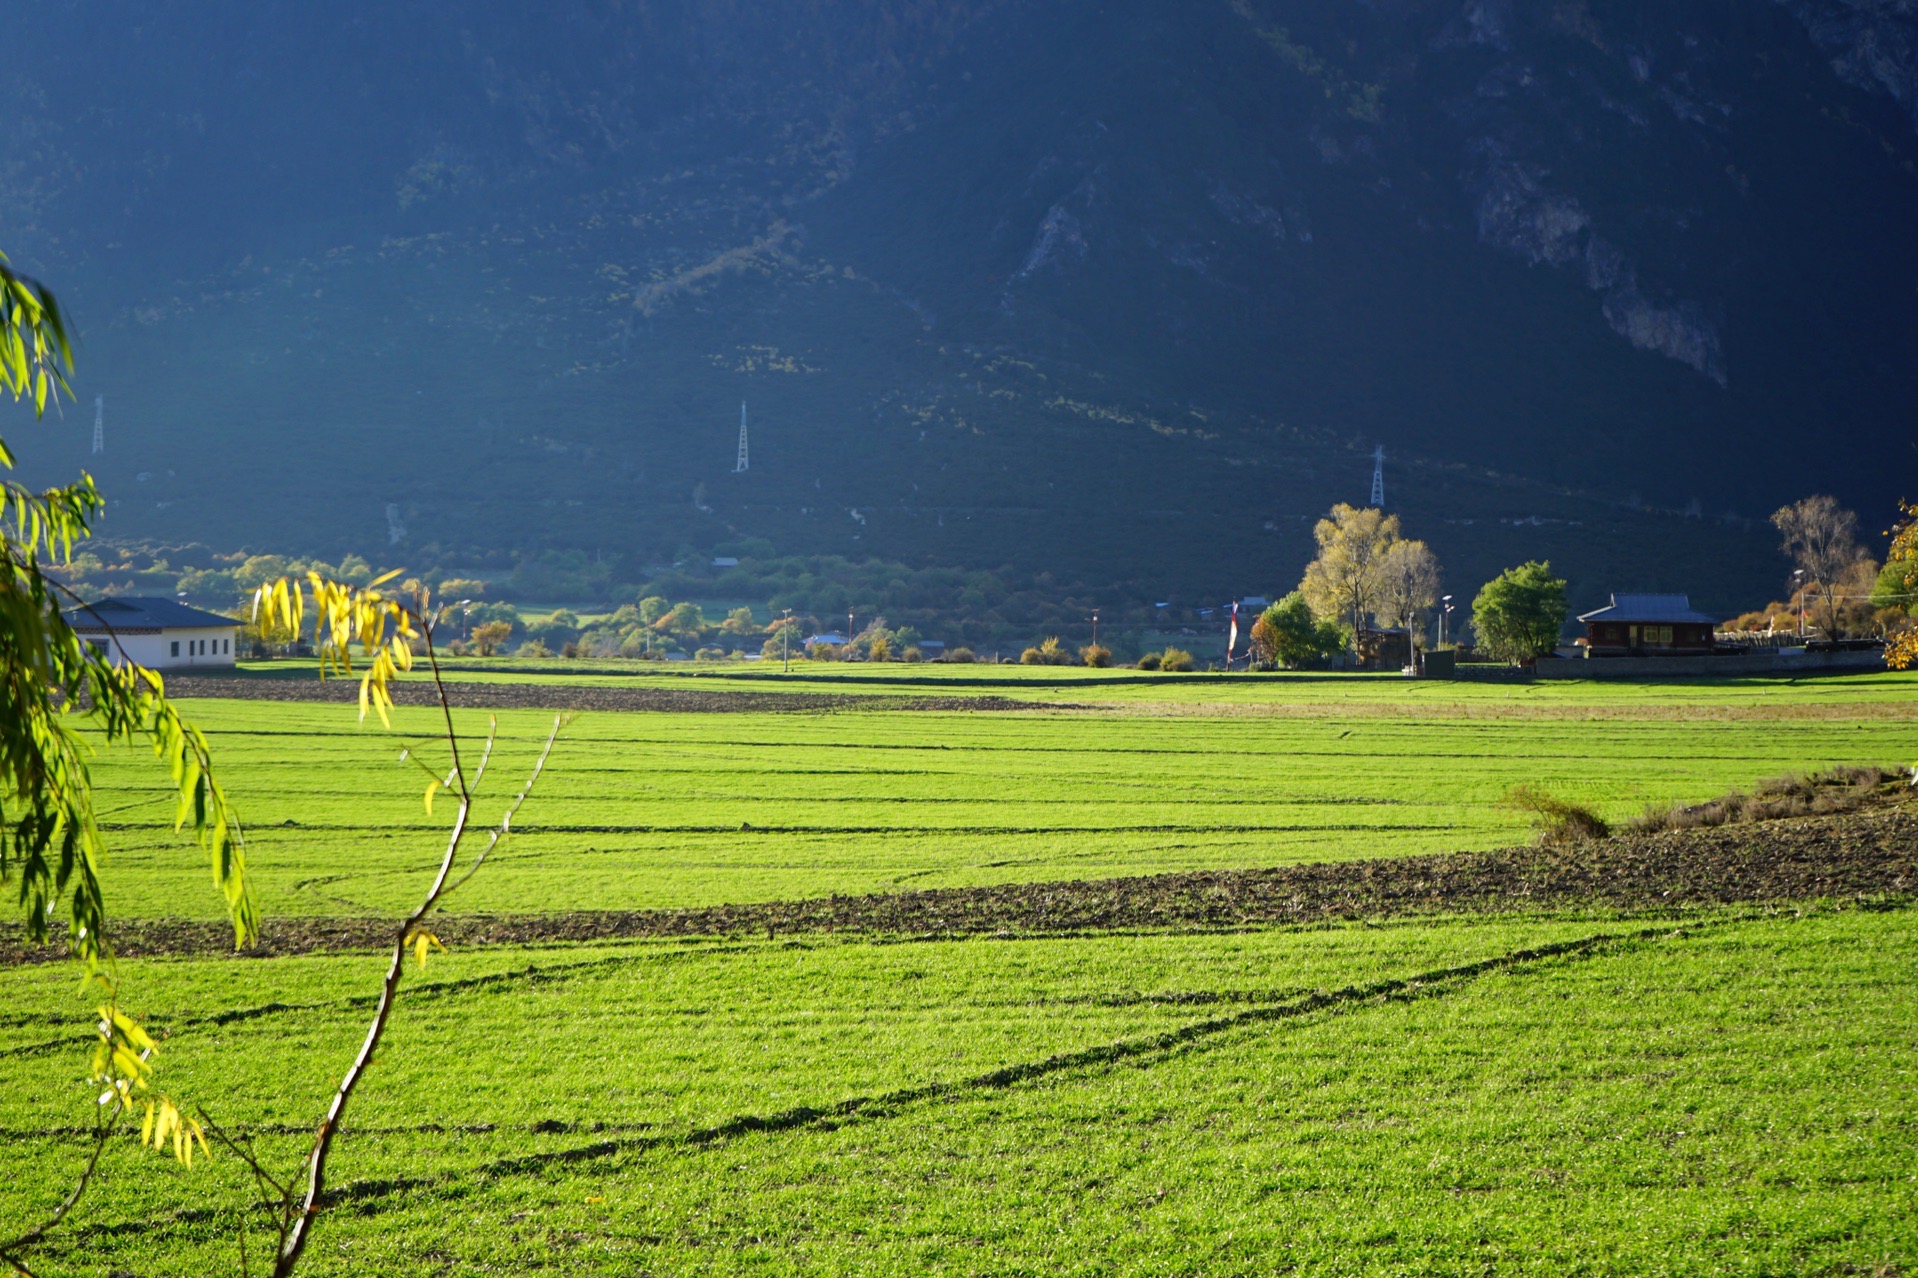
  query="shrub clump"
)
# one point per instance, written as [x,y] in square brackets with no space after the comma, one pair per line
[959,657]
[1149,662]
[1176,659]
[1096,655]
[1559,823]
[1049,653]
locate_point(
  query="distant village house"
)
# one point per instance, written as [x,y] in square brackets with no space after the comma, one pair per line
[159,634]
[1647,626]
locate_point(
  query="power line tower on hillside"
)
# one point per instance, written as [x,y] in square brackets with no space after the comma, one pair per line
[739,467]
[1378,477]
[99,424]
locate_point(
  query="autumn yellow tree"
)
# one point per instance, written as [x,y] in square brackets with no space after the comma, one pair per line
[1347,579]
[1408,585]
[1902,652]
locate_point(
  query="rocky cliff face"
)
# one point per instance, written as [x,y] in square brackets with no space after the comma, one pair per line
[1872,44]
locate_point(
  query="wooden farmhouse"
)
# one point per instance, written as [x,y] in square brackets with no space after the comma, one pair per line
[1648,626]
[159,634]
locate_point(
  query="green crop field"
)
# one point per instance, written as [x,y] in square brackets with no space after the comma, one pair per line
[652,810]
[1579,1090]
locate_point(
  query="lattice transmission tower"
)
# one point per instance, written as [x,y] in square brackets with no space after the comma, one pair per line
[1378,477]
[99,424]
[739,467]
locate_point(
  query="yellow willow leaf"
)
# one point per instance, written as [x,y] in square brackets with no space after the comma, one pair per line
[432,788]
[146,1128]
[385,577]
[421,942]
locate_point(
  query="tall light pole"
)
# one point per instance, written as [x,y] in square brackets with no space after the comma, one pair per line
[466,607]
[1445,607]
[785,642]
[1095,627]
[849,626]
[1798,580]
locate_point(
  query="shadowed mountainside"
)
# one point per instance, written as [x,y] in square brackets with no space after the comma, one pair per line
[1124,291]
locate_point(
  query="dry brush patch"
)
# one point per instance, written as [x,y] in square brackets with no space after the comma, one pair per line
[1817,794]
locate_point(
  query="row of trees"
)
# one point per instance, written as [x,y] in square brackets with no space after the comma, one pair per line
[1367,574]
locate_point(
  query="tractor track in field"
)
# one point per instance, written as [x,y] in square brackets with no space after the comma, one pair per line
[1865,854]
[382,1193]
[585,697]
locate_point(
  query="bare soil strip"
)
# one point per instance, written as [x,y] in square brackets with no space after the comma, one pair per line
[1869,854]
[542,696]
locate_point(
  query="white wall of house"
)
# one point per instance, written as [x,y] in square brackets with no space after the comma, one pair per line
[173,648]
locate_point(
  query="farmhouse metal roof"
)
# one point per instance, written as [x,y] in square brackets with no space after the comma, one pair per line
[131,612]
[1663,609]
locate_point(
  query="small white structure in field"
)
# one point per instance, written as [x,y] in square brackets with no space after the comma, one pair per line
[159,634]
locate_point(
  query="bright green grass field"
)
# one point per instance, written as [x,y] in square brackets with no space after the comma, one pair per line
[653,809]
[1727,1094]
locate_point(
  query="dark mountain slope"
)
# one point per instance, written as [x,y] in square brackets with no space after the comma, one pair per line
[1123,290]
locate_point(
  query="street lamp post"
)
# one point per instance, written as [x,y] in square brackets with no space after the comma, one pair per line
[1798,579]
[466,607]
[1445,607]
[1095,627]
[785,642]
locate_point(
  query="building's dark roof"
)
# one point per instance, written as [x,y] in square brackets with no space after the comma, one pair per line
[137,613]
[1656,609]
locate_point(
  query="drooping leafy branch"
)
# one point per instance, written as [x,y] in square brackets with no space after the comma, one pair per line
[58,696]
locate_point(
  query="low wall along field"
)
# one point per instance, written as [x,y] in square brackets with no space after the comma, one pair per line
[1066,973]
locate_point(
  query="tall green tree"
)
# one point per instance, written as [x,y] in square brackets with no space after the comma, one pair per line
[1517,614]
[1287,634]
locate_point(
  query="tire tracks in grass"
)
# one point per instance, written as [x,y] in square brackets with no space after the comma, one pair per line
[373,1195]
[532,974]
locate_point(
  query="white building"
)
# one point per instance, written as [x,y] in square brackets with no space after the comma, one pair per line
[157,633]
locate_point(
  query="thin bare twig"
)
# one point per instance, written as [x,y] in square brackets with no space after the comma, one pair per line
[298,1219]
[505,826]
[281,1198]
